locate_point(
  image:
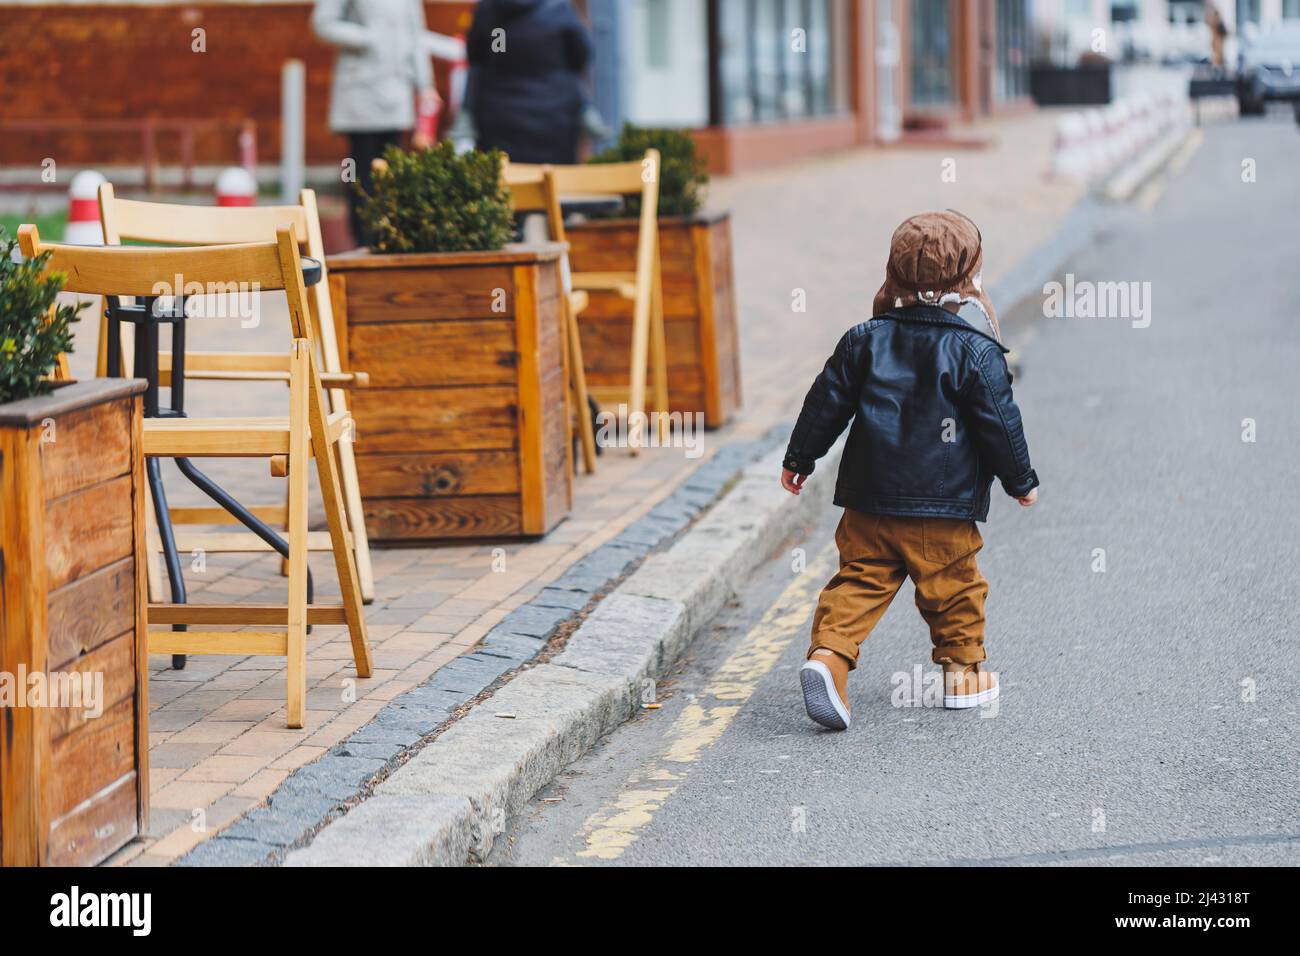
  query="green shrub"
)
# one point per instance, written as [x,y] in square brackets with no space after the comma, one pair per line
[432,200]
[681,177]
[30,339]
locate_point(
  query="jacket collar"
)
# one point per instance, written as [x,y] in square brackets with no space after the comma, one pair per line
[936,315]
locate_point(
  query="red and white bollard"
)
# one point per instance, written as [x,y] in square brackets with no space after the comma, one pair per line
[248,147]
[83,227]
[1071,157]
[236,187]
[427,112]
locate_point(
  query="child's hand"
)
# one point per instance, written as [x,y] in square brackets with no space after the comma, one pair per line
[1029,499]
[791,482]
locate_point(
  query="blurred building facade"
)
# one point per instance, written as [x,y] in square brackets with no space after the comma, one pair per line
[1160,31]
[760,81]
[63,63]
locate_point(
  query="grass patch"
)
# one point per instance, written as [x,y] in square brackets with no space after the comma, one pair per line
[50,225]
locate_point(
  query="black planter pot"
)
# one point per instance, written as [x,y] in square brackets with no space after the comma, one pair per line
[1070,86]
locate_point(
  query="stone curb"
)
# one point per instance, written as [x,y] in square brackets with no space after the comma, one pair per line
[316,791]
[451,800]
[417,831]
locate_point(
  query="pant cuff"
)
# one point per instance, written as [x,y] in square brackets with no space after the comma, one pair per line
[840,645]
[962,654]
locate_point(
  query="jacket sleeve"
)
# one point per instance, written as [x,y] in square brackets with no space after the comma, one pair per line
[329,21]
[992,414]
[828,406]
[423,65]
[577,43]
[478,41]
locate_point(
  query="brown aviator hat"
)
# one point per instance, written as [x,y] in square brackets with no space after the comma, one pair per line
[935,258]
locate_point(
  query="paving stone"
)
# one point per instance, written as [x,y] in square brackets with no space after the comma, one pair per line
[582,580]
[390,732]
[534,620]
[672,514]
[607,561]
[301,802]
[489,666]
[226,850]
[421,702]
[384,751]
[632,545]
[553,596]
[644,531]
[695,498]
[670,521]
[469,673]
[705,482]
[163,820]
[181,756]
[273,827]
[334,776]
[403,616]
[513,647]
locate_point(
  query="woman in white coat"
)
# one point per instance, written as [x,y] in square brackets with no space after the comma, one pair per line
[383,80]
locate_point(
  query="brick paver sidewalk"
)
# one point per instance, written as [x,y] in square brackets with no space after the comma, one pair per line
[219,745]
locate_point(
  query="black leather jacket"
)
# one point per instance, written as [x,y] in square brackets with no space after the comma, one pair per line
[933,418]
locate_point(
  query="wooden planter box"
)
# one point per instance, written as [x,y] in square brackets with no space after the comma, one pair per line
[699,310]
[74,788]
[464,431]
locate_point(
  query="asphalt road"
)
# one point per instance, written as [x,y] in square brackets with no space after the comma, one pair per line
[1149,709]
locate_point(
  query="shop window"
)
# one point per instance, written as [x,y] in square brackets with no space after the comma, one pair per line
[658,28]
[932,53]
[1011,78]
[778,59]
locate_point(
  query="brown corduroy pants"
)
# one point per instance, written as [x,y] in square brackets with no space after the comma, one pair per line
[876,553]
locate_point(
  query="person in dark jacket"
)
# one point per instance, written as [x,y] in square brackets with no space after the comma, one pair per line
[924,389]
[525,93]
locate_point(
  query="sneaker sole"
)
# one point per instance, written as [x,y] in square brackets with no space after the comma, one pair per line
[965,701]
[820,697]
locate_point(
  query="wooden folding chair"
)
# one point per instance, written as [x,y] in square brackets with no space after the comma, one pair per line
[309,432]
[533,189]
[182,225]
[644,286]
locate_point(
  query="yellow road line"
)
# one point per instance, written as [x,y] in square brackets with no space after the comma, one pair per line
[1185,152]
[1150,194]
[1152,191]
[609,831]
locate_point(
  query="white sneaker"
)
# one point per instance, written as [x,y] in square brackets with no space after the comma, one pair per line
[967,686]
[822,694]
